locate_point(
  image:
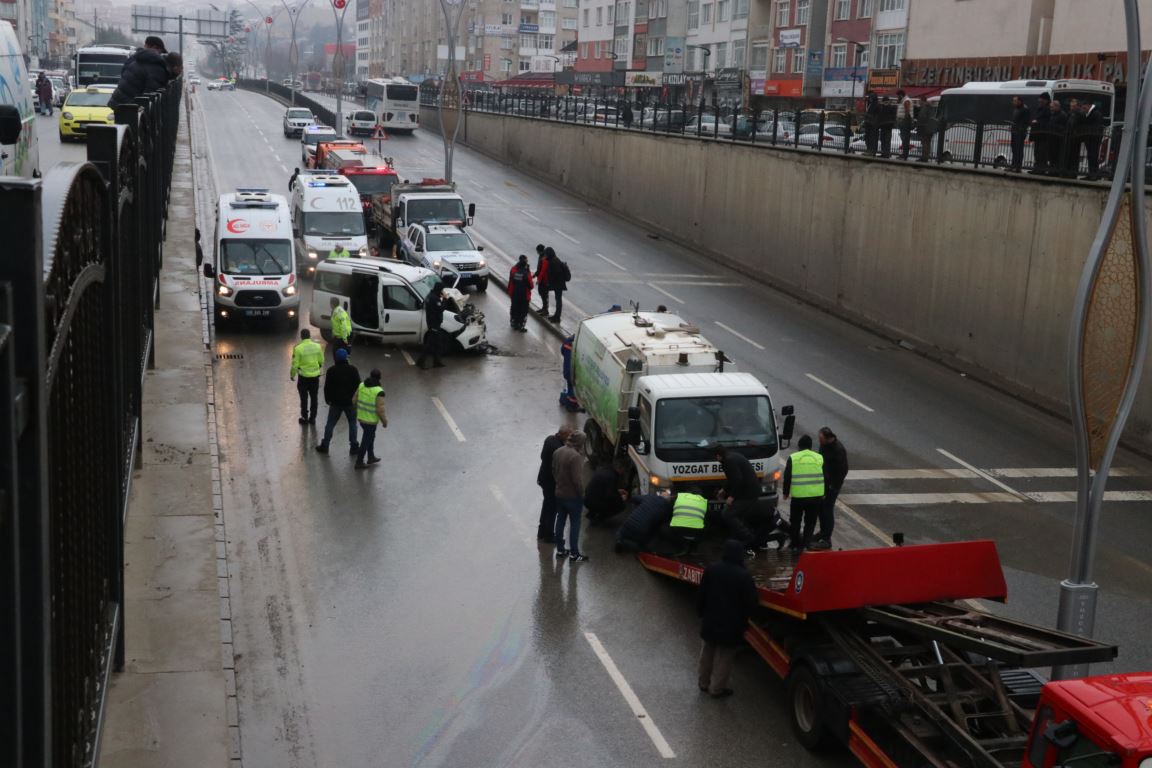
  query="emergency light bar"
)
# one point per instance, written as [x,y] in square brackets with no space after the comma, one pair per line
[251,190]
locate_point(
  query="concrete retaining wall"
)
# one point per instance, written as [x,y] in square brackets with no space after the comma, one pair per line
[974,268]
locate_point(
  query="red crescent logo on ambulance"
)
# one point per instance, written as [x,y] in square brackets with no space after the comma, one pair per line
[237,226]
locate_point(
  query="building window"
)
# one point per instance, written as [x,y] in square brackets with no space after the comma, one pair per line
[506,65]
[741,10]
[738,54]
[864,9]
[627,6]
[722,10]
[778,59]
[567,23]
[571,3]
[526,19]
[655,46]
[611,10]
[658,9]
[892,5]
[586,12]
[706,14]
[889,49]
[600,16]
[759,60]
[506,19]
[721,55]
[798,55]
[547,19]
[839,57]
[527,41]
[783,13]
[803,11]
[843,10]
[693,14]
[506,44]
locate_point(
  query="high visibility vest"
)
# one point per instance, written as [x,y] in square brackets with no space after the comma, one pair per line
[366,404]
[341,324]
[341,254]
[689,511]
[307,359]
[807,475]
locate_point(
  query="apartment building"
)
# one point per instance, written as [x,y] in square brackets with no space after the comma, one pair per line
[717,45]
[793,34]
[363,47]
[846,59]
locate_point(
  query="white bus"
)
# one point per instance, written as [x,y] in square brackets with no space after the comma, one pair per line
[100,64]
[396,101]
[991,103]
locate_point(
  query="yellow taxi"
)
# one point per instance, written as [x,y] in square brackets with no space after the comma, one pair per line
[84,107]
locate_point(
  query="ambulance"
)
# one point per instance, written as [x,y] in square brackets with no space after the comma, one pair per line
[326,210]
[19,146]
[254,275]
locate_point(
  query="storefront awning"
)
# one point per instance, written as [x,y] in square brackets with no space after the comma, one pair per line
[529,80]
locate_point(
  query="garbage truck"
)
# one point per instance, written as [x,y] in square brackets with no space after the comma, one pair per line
[658,394]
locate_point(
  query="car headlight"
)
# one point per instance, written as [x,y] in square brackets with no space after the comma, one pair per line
[111,118]
[224,290]
[363,251]
[311,254]
[67,115]
[660,482]
[436,263]
[289,291]
[483,263]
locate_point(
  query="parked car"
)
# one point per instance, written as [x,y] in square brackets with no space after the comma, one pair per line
[708,126]
[765,129]
[605,116]
[897,147]
[60,90]
[833,137]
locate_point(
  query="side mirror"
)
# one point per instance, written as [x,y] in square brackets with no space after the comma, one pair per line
[789,414]
[1062,735]
[209,271]
[295,231]
[634,426]
[471,211]
[10,124]
[479,247]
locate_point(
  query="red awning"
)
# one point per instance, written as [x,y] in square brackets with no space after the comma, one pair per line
[528,80]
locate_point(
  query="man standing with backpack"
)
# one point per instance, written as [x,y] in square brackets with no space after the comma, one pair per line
[558,275]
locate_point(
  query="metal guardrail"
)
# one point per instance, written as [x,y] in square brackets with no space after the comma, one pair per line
[322,113]
[1061,153]
[78,289]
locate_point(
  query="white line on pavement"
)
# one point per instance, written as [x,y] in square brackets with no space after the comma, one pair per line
[567,237]
[284,167]
[407,357]
[910,499]
[739,335]
[500,198]
[530,215]
[630,696]
[1056,496]
[517,523]
[697,282]
[840,392]
[655,287]
[910,474]
[863,523]
[613,263]
[448,418]
[983,474]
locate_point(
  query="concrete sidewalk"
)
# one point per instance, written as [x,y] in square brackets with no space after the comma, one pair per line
[169,707]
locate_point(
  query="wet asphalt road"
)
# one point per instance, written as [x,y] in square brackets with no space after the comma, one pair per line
[405,616]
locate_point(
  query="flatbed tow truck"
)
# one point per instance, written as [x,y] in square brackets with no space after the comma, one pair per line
[880,652]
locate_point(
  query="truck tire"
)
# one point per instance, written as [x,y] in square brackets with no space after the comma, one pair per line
[806,699]
[482,285]
[592,439]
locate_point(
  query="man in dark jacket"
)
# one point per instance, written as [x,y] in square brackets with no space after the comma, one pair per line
[651,511]
[340,385]
[887,126]
[1021,119]
[547,483]
[1092,129]
[44,93]
[434,314]
[542,278]
[145,71]
[520,293]
[741,495]
[835,470]
[727,598]
[603,497]
[1057,144]
[1041,135]
[871,123]
[556,281]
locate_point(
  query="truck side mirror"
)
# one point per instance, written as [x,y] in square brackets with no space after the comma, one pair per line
[634,426]
[1062,735]
[10,124]
[295,231]
[789,414]
[471,213]
[209,271]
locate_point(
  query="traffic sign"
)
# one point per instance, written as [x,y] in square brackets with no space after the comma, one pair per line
[267,19]
[339,4]
[378,133]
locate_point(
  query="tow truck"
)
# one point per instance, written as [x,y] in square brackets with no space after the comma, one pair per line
[420,202]
[882,652]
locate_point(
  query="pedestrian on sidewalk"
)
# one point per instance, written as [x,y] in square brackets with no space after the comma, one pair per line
[1092,136]
[835,470]
[887,125]
[1058,137]
[568,469]
[727,598]
[44,94]
[434,319]
[542,278]
[871,123]
[804,482]
[292,180]
[308,361]
[370,414]
[546,529]
[199,250]
[558,278]
[341,384]
[341,328]
[520,291]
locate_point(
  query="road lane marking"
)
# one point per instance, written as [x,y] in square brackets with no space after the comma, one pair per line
[448,418]
[407,357]
[613,263]
[697,282]
[1057,472]
[1061,496]
[507,508]
[566,236]
[655,287]
[630,696]
[910,474]
[739,335]
[283,167]
[840,392]
[910,499]
[882,537]
[1002,486]
[529,215]
[500,198]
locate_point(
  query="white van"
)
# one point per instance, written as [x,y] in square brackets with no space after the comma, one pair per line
[254,272]
[326,210]
[385,300]
[19,147]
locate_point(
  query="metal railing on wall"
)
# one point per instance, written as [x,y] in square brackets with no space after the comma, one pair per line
[78,290]
[323,115]
[1068,152]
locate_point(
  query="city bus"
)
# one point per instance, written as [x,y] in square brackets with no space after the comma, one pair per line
[396,101]
[991,104]
[100,64]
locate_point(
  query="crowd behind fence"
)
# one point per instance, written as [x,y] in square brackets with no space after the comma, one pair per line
[79,278]
[1059,153]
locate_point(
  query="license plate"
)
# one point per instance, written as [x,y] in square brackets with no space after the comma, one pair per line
[257,312]
[465,275]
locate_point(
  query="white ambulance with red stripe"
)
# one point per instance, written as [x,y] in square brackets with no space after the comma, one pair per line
[254,271]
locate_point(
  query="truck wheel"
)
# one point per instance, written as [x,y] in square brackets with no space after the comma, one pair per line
[807,699]
[482,285]
[592,438]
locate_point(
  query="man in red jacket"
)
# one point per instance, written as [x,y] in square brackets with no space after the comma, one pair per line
[520,290]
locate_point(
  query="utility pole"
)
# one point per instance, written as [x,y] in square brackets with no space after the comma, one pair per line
[450,88]
[342,6]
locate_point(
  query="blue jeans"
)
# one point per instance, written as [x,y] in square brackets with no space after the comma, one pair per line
[367,443]
[569,509]
[334,414]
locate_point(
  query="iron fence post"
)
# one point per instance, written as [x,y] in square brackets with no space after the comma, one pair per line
[978,145]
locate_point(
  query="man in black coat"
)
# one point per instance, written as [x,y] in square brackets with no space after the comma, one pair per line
[640,527]
[340,385]
[547,483]
[871,122]
[1041,135]
[835,470]
[1058,141]
[145,71]
[887,125]
[727,598]
[741,495]
[1092,127]
[603,497]
[1021,119]
[434,315]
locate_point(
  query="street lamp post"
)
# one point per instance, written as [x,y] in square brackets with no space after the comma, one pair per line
[342,6]
[855,62]
[450,90]
[294,54]
[268,19]
[703,69]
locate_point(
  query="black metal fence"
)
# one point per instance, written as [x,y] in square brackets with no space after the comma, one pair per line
[324,115]
[1066,152]
[78,288]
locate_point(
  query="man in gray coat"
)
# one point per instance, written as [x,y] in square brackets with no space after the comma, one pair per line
[568,471]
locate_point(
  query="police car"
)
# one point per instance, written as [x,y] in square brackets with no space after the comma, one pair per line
[446,249]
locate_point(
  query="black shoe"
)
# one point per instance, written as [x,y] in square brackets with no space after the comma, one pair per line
[420,363]
[353,450]
[722,694]
[374,460]
[360,465]
[561,552]
[820,544]
[312,420]
[523,329]
[555,318]
[302,420]
[578,558]
[321,448]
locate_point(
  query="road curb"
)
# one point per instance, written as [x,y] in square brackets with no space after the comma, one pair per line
[555,329]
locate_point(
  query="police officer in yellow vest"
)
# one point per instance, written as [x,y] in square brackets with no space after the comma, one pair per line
[804,481]
[341,327]
[308,361]
[370,414]
[339,252]
[688,512]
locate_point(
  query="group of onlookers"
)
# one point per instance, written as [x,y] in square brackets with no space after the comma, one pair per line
[1059,133]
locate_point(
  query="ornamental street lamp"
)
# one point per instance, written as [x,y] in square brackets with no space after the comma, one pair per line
[338,71]
[450,89]
[294,53]
[855,61]
[268,19]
